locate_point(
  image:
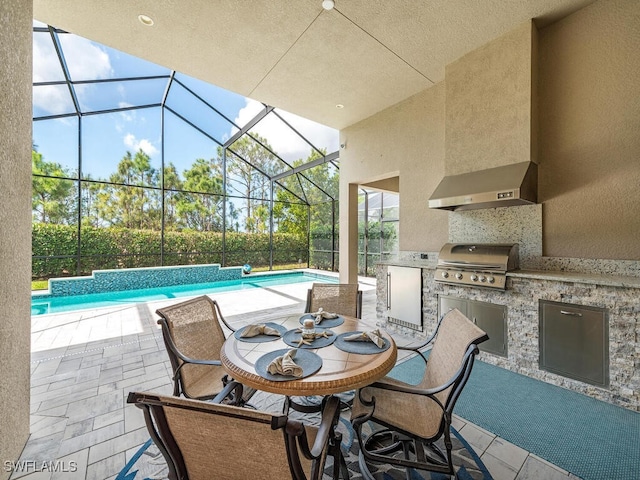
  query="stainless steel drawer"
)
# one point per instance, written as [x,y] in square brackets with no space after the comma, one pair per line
[574,341]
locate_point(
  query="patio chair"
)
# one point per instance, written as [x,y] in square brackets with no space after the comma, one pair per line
[343,299]
[340,298]
[412,418]
[204,440]
[193,337]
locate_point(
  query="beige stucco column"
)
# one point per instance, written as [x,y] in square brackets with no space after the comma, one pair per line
[348,244]
[16,17]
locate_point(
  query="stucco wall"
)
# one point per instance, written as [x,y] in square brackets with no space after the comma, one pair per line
[15,226]
[587,102]
[406,140]
[489,98]
[589,110]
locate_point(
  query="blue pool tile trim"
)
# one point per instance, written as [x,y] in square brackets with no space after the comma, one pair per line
[104,281]
[44,303]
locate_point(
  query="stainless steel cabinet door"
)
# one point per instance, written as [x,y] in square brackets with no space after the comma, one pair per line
[493,320]
[574,341]
[489,317]
[449,303]
[404,295]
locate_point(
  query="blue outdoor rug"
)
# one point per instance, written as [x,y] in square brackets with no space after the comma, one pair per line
[592,439]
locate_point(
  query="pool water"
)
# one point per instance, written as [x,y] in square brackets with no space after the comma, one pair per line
[48,304]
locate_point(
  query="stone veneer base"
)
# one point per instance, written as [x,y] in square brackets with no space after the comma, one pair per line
[522,298]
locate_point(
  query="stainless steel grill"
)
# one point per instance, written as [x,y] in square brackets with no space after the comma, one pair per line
[479,265]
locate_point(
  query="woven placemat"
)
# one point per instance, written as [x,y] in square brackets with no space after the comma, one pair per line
[309,361]
[326,323]
[361,347]
[261,338]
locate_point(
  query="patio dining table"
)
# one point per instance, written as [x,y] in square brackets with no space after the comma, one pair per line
[340,370]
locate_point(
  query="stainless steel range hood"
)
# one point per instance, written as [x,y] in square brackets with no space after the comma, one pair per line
[505,186]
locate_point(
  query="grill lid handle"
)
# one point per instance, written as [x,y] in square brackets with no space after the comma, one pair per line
[479,266]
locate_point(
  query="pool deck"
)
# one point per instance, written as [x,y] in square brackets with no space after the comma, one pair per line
[84,363]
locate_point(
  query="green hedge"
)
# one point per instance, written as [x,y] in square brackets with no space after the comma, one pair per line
[322,250]
[105,248]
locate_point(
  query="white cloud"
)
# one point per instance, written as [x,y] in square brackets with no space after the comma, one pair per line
[85,60]
[320,135]
[286,143]
[250,110]
[143,144]
[53,99]
[46,66]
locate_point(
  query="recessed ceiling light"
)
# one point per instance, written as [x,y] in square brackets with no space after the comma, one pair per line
[328,4]
[339,105]
[145,20]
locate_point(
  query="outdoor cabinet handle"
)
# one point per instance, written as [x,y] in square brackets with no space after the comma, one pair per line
[573,314]
[388,291]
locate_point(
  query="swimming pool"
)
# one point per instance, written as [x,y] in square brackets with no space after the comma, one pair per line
[45,304]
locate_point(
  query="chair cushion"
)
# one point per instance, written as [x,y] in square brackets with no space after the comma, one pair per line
[202,381]
[415,414]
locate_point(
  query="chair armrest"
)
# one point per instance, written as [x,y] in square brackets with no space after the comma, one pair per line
[407,388]
[430,392]
[220,316]
[195,361]
[416,350]
[228,389]
[330,414]
[423,344]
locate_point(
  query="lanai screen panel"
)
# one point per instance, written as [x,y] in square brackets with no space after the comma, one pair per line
[151,167]
[57,142]
[123,147]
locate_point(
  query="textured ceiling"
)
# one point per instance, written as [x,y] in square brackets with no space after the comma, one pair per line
[365,54]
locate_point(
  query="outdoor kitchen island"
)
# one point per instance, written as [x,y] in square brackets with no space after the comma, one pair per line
[525,291]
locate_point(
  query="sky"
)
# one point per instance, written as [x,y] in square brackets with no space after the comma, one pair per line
[107,137]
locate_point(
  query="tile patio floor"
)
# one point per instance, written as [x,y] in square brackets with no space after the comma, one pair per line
[84,363]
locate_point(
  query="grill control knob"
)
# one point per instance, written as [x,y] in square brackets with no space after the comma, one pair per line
[459,276]
[483,278]
[445,274]
[474,277]
[491,280]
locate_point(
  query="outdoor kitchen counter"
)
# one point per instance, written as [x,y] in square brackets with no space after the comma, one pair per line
[593,279]
[407,262]
[551,275]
